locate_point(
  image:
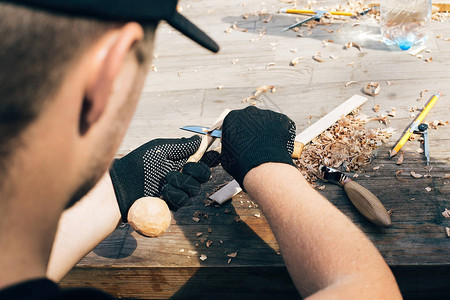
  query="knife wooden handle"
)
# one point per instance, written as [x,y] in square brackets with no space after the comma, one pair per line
[207,139]
[367,204]
[298,149]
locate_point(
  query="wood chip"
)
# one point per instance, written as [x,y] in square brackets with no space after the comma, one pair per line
[203,257]
[390,212]
[350,82]
[257,215]
[233,255]
[209,243]
[192,252]
[428,59]
[447,231]
[372,89]
[238,29]
[397,175]
[419,150]
[199,234]
[415,175]
[317,57]
[196,219]
[353,44]
[333,57]
[295,61]
[220,87]
[447,176]
[400,158]
[271,64]
[376,108]
[393,112]
[428,189]
[446,213]
[376,168]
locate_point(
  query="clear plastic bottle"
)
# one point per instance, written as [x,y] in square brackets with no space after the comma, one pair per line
[405,22]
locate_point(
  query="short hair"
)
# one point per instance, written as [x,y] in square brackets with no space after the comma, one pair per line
[37,48]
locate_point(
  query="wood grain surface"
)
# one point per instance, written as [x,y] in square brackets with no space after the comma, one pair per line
[184,91]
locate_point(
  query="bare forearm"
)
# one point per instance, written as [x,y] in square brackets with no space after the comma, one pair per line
[324,251]
[82,227]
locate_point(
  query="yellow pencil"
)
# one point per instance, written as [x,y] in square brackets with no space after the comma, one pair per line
[300,11]
[416,123]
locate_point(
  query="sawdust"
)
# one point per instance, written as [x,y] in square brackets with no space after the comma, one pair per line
[347,145]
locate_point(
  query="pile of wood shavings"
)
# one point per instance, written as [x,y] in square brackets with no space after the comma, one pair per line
[346,145]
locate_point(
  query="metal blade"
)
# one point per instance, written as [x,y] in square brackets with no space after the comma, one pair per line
[203,130]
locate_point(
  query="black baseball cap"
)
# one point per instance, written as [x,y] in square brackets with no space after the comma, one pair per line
[127,10]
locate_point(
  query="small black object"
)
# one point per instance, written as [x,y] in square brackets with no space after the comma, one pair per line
[422,127]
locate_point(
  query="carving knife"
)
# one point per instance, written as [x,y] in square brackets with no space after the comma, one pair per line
[308,134]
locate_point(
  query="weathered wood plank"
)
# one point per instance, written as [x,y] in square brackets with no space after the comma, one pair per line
[184,91]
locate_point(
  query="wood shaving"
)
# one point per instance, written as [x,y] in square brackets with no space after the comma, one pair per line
[392,112]
[420,56]
[372,89]
[317,57]
[203,257]
[260,90]
[295,61]
[391,82]
[376,168]
[446,213]
[390,212]
[209,229]
[192,252]
[271,64]
[376,108]
[415,175]
[237,28]
[209,243]
[400,158]
[199,234]
[428,189]
[153,68]
[257,215]
[428,59]
[350,82]
[447,176]
[447,231]
[397,175]
[352,44]
[347,144]
[327,42]
[196,219]
[220,87]
[233,255]
[333,57]
[234,61]
[322,187]
[434,124]
[294,50]
[268,19]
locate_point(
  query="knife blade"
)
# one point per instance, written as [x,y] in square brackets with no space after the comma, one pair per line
[217,133]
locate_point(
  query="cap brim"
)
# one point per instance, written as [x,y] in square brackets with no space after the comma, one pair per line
[186,27]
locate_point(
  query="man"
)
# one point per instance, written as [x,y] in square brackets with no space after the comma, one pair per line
[71,75]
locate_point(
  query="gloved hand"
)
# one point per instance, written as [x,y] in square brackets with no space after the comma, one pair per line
[154,170]
[251,137]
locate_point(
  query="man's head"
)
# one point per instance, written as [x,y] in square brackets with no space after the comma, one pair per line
[71,81]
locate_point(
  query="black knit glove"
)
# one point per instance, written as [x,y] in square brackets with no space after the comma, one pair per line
[154,170]
[251,137]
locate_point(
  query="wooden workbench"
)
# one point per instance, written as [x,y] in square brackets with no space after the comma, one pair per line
[184,91]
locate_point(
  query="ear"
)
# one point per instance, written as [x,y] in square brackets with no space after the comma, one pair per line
[106,62]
